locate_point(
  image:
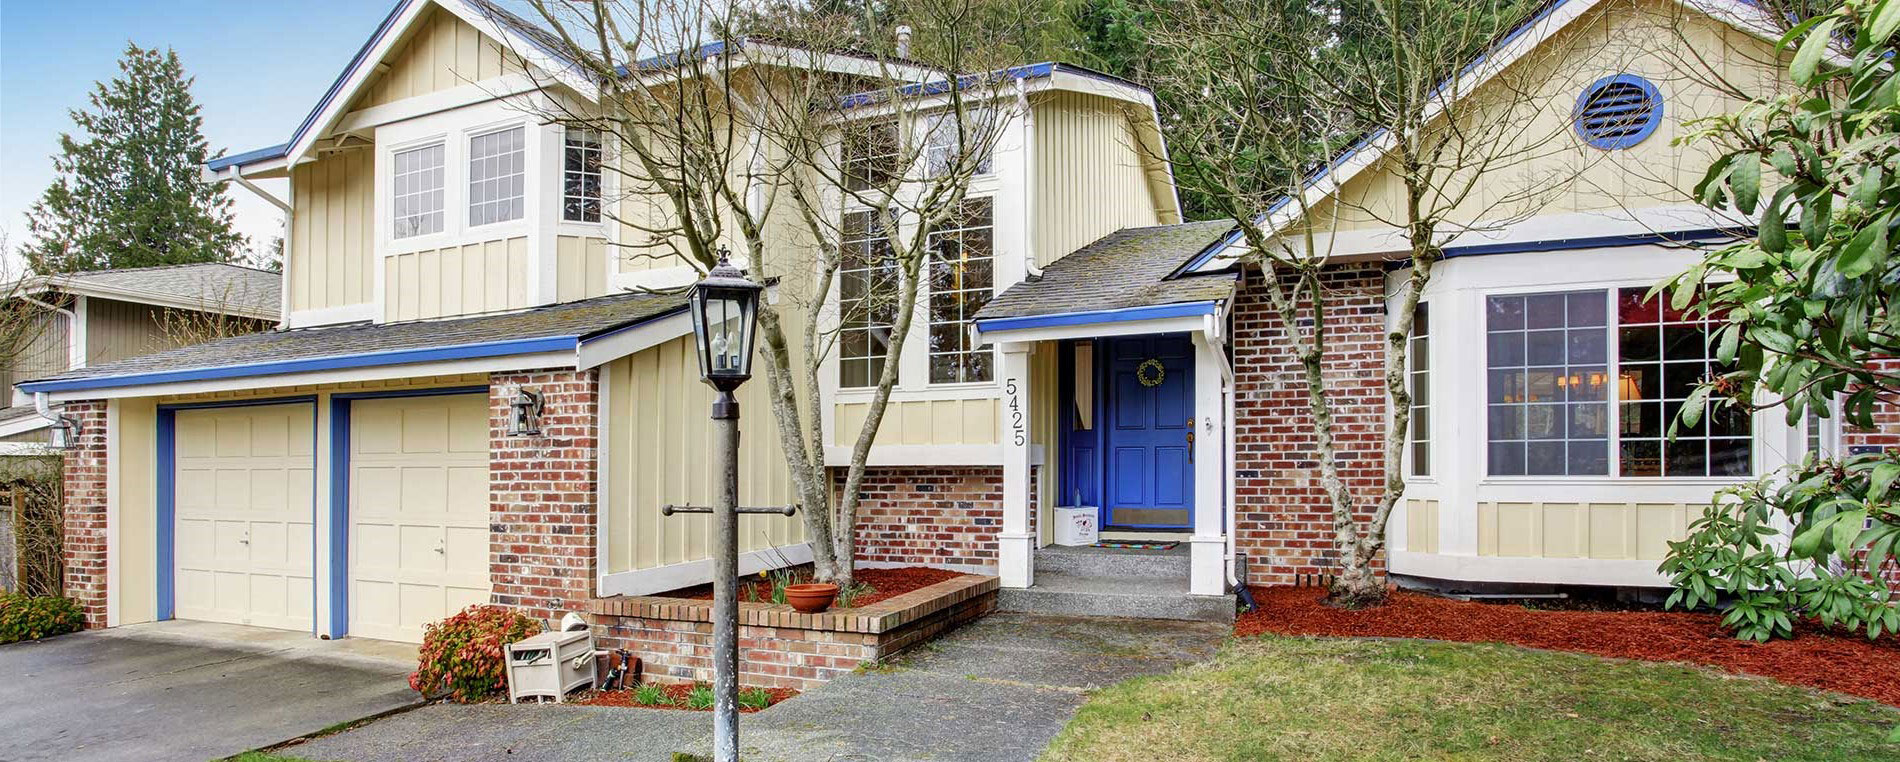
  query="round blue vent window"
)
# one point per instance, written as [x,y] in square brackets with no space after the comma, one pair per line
[1618,111]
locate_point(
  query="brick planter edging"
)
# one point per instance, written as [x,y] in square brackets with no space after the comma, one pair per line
[780,647]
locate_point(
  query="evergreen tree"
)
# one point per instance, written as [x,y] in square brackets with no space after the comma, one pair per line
[129,192]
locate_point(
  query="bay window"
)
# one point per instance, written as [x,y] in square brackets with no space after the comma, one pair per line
[417,191]
[961,282]
[580,175]
[871,154]
[497,163]
[867,288]
[1557,361]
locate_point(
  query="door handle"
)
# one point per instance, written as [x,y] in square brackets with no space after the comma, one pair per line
[1190,438]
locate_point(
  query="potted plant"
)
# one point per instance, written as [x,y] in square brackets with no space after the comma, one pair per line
[811,597]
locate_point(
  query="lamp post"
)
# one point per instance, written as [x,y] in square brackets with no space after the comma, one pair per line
[725,308]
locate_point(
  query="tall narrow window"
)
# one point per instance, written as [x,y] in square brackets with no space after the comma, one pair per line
[496,165]
[1547,388]
[1664,354]
[944,144]
[960,284]
[580,175]
[867,287]
[870,155]
[1419,357]
[418,192]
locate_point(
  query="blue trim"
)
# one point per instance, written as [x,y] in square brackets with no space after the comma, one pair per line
[1596,242]
[167,487]
[333,362]
[1126,315]
[272,152]
[1652,117]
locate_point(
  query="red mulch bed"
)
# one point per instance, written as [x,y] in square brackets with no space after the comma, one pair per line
[675,692]
[1815,658]
[888,583]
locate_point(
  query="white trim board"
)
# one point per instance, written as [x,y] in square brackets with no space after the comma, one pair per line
[349,375]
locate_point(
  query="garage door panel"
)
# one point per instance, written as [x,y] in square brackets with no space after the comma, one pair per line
[468,430]
[424,490]
[465,551]
[242,503]
[468,493]
[419,551]
[425,430]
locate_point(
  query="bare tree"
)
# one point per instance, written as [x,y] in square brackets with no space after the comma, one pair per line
[1261,97]
[830,170]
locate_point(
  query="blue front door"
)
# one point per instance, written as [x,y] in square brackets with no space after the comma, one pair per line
[1149,408]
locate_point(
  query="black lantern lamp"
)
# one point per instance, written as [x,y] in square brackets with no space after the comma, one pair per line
[64,433]
[725,309]
[524,411]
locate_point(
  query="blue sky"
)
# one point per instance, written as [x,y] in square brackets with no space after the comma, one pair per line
[259,65]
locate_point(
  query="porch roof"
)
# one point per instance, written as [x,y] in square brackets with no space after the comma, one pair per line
[554,328]
[1124,270]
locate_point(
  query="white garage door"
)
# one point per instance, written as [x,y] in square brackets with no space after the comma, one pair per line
[243,502]
[418,512]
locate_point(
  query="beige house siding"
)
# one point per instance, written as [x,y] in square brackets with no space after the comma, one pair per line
[332,237]
[43,355]
[443,52]
[1603,531]
[1090,174]
[921,422]
[460,280]
[581,267]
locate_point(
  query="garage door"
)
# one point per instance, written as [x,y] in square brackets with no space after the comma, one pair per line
[418,512]
[243,504]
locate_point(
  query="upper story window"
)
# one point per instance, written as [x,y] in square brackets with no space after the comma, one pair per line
[1549,388]
[871,153]
[580,175]
[1419,376]
[497,165]
[941,146]
[417,193]
[961,281]
[867,285]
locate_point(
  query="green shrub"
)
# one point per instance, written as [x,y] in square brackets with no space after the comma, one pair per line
[651,694]
[464,655]
[701,697]
[26,617]
[754,698]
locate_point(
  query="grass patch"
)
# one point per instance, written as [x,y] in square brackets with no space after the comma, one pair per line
[1285,698]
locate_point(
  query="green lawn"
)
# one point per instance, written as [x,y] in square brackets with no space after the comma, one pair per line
[1281,698]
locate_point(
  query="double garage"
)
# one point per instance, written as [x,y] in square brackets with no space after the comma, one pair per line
[243,540]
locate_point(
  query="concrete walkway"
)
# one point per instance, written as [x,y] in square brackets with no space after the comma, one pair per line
[188,691]
[998,689]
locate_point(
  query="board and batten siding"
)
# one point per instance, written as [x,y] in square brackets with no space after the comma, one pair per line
[1090,176]
[443,52]
[456,280]
[920,422]
[658,441]
[581,267]
[332,236]
[1596,530]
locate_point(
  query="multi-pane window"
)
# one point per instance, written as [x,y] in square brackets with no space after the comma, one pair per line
[867,288]
[418,191]
[942,146]
[961,277]
[1419,376]
[1548,410]
[1662,355]
[871,154]
[497,164]
[580,175]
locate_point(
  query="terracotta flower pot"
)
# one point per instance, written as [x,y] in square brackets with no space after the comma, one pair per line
[811,598]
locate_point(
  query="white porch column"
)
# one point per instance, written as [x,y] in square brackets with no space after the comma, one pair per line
[1016,545]
[1207,572]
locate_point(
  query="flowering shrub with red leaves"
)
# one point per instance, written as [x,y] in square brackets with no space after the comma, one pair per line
[462,655]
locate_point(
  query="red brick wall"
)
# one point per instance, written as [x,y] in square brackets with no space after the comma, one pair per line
[1282,520]
[1884,433]
[934,516]
[85,520]
[541,495]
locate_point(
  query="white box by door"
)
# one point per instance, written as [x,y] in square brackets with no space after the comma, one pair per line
[1077,525]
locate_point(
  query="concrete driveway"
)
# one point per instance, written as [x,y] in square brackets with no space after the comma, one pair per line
[188,691]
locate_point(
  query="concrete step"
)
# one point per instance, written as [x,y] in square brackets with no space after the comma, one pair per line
[1114,562]
[1065,594]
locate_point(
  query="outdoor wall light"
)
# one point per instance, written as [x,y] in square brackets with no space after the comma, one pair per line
[64,433]
[725,307]
[524,411]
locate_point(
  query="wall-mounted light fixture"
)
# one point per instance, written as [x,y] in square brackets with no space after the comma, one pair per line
[64,433]
[524,411]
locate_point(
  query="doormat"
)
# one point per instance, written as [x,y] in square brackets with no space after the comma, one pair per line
[1137,544]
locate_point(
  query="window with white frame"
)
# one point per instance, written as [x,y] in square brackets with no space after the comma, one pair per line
[497,165]
[580,175]
[871,154]
[1556,361]
[417,191]
[943,143]
[867,287]
[1419,375]
[961,280]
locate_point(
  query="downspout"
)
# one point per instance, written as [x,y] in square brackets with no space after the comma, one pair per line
[75,353]
[1029,179]
[283,291]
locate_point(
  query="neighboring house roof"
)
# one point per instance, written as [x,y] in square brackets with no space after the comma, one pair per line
[206,286]
[20,419]
[556,328]
[1123,270]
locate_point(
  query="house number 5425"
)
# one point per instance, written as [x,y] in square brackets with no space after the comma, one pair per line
[1018,434]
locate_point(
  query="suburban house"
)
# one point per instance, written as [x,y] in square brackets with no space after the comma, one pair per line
[367,468]
[76,320]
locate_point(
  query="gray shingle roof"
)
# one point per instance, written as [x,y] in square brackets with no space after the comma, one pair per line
[211,286]
[1126,268]
[581,320]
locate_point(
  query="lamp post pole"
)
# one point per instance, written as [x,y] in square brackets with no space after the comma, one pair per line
[725,415]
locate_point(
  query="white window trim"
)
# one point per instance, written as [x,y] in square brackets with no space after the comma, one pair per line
[528,173]
[386,186]
[580,227]
[996,289]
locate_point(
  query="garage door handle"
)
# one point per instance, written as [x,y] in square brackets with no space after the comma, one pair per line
[438,549]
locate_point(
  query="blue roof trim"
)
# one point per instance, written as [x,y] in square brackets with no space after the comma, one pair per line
[1598,242]
[333,362]
[1124,315]
[1024,72]
[273,152]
